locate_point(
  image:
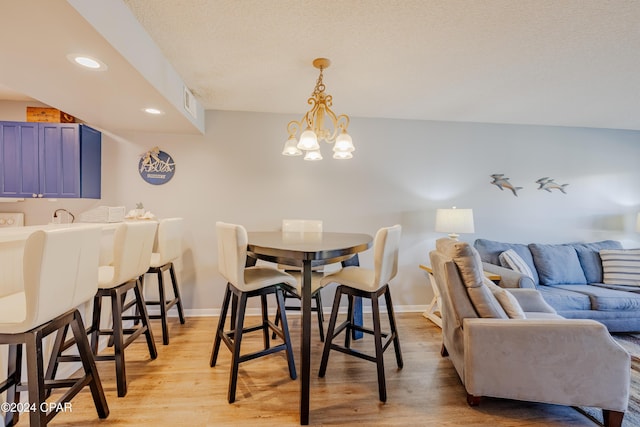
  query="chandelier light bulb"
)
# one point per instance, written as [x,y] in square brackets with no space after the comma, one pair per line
[313,155]
[344,143]
[308,140]
[342,155]
[290,147]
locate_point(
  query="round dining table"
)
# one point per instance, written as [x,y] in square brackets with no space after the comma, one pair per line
[306,250]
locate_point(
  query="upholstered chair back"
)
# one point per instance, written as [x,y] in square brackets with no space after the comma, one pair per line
[386,246]
[132,246]
[455,303]
[60,270]
[232,252]
[169,241]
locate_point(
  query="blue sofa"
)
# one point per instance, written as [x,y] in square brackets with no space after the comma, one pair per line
[569,277]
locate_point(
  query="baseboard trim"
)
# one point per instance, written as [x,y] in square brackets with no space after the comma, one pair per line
[209,312]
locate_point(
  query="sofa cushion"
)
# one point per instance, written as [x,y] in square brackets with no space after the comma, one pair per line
[490,251]
[589,256]
[511,259]
[509,303]
[469,265]
[603,299]
[557,264]
[621,266]
[563,300]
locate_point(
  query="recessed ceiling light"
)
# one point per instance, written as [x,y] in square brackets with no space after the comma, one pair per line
[152,111]
[87,62]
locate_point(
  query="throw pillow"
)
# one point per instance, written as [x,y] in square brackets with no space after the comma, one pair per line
[510,259]
[589,256]
[621,266]
[557,264]
[509,303]
[490,251]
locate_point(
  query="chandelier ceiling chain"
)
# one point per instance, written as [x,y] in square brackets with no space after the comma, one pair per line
[314,122]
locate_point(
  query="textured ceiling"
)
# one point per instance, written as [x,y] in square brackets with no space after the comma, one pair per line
[548,62]
[544,62]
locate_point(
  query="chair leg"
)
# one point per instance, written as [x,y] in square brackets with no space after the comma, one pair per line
[612,418]
[118,342]
[285,332]
[265,321]
[377,338]
[176,293]
[392,324]
[95,322]
[89,364]
[330,332]
[350,331]
[163,308]
[35,378]
[276,321]
[237,341]
[318,299]
[144,318]
[56,352]
[220,328]
[14,368]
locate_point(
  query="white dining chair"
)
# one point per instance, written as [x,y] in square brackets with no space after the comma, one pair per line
[59,273]
[168,249]
[371,284]
[132,246]
[297,229]
[243,283]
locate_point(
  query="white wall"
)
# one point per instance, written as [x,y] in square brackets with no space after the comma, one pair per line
[402,171]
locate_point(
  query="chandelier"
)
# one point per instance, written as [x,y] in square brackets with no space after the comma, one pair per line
[314,122]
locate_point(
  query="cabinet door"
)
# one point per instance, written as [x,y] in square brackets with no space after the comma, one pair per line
[59,160]
[19,164]
[90,162]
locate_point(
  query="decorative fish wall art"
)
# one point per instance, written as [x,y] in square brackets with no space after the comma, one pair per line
[549,184]
[501,182]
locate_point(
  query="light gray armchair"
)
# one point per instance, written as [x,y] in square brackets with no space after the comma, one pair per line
[523,351]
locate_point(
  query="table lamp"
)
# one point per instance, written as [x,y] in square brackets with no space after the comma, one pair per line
[454,221]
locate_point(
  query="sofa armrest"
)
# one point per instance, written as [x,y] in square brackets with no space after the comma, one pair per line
[531,300]
[563,361]
[509,278]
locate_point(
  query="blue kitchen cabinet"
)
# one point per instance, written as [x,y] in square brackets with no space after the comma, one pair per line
[49,160]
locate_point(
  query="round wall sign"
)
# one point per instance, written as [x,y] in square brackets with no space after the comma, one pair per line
[156,167]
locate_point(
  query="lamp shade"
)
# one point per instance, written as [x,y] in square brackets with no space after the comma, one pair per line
[638,223]
[454,221]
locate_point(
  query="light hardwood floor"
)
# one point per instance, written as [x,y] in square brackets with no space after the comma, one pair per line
[180,389]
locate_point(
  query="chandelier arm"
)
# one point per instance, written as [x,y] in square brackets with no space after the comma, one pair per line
[343,122]
[293,128]
[331,138]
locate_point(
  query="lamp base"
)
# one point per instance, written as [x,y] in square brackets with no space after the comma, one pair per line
[453,236]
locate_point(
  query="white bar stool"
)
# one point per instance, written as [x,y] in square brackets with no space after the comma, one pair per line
[169,248]
[244,283]
[132,246]
[372,284]
[60,272]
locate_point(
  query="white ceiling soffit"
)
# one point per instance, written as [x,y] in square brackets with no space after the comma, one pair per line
[543,62]
[39,34]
